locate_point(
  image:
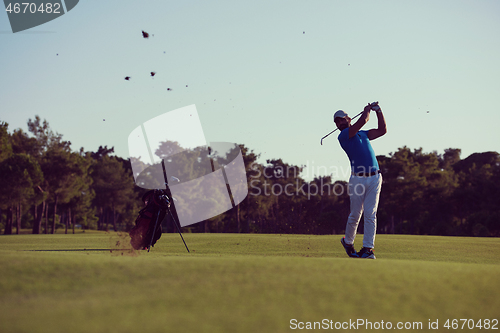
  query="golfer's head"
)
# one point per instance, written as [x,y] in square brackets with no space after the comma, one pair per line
[342,120]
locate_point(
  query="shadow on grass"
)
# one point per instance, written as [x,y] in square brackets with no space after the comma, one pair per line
[82,250]
[114,252]
[119,244]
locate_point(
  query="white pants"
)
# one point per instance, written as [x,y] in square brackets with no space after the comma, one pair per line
[364,193]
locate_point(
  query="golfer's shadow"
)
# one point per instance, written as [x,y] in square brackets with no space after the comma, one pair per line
[79,250]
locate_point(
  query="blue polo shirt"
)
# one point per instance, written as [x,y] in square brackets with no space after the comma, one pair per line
[359,150]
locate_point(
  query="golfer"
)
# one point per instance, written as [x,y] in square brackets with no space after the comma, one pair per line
[365,182]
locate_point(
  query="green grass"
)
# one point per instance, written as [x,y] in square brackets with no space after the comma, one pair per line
[240,283]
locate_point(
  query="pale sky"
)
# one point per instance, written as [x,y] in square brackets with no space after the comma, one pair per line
[266,74]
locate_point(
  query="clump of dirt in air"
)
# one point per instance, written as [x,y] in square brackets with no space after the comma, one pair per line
[120,245]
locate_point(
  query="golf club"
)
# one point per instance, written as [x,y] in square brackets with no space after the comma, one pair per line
[337,128]
[374,106]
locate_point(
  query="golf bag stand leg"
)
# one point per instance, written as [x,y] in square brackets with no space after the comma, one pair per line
[154,230]
[174,221]
[169,194]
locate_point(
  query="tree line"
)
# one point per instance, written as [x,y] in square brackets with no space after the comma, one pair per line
[45,186]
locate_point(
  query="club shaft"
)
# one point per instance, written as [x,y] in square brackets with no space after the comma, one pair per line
[359,114]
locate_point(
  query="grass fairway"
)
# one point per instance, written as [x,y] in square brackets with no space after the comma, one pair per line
[242,283]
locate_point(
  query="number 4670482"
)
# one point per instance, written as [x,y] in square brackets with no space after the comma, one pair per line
[486,324]
[27,8]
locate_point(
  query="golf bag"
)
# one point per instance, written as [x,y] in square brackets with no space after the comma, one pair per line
[147,228]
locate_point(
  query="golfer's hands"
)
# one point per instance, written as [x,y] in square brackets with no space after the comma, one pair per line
[367,108]
[375,107]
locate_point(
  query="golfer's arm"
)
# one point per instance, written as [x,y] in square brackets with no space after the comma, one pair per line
[365,116]
[382,127]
